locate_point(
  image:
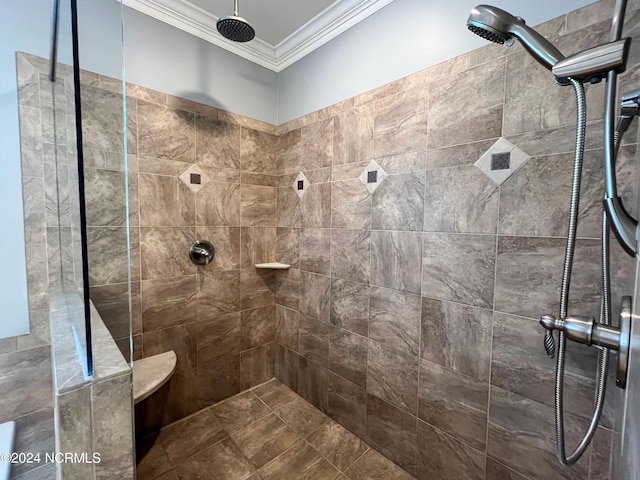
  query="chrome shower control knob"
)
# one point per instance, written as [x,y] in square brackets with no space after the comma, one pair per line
[201,252]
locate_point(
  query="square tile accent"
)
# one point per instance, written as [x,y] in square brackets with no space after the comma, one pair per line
[301,185]
[372,176]
[501,160]
[194,178]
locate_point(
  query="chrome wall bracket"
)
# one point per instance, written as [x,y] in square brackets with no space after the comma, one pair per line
[588,331]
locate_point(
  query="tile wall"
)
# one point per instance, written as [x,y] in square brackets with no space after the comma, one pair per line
[195,173]
[427,240]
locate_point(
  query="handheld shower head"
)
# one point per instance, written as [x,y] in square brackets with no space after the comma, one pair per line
[496,25]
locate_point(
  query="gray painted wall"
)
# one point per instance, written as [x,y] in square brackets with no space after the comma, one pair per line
[402,38]
[161,57]
[25,27]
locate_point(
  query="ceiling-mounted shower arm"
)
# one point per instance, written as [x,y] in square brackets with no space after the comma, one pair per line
[236,8]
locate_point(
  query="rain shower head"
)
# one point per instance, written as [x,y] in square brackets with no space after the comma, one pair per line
[496,25]
[235,28]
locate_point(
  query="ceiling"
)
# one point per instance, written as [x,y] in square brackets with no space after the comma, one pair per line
[286,30]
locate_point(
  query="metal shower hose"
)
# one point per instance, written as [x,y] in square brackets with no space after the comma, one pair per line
[605,313]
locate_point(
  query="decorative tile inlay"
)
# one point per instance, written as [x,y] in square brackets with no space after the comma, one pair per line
[501,160]
[372,176]
[301,185]
[194,178]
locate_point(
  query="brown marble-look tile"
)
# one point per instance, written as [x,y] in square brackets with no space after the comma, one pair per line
[315,296]
[258,245]
[287,327]
[257,287]
[275,394]
[350,306]
[395,319]
[601,455]
[497,471]
[461,199]
[257,206]
[315,206]
[454,403]
[218,204]
[34,434]
[31,141]
[265,439]
[191,435]
[313,341]
[313,383]
[373,466]
[537,292]
[166,133]
[223,460]
[350,204]
[300,461]
[218,292]
[34,210]
[348,355]
[104,197]
[112,398]
[350,253]
[483,89]
[302,417]
[218,143]
[398,203]
[457,155]
[288,213]
[441,456]
[286,366]
[457,337]
[317,144]
[393,260]
[227,244]
[353,135]
[287,246]
[151,459]
[393,376]
[218,336]
[237,412]
[315,250]
[168,302]
[459,268]
[102,122]
[288,288]
[256,365]
[534,452]
[112,303]
[164,252]
[258,326]
[401,123]
[335,443]
[257,151]
[392,432]
[347,404]
[108,252]
[165,201]
[21,372]
[288,152]
[218,379]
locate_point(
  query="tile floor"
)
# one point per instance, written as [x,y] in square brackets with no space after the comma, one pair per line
[266,433]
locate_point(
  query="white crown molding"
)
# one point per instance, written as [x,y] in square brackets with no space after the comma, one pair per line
[328,24]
